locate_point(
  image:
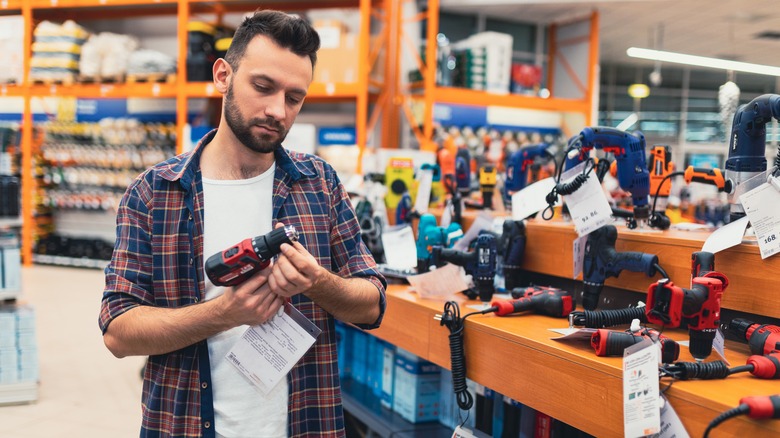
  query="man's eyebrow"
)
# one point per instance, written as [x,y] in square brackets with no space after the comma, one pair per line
[274,83]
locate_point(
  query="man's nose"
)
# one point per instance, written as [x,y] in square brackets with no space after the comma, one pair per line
[276,107]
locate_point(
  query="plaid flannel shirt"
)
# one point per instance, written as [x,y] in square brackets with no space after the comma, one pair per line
[158,261]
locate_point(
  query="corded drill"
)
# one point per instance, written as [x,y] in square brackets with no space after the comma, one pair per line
[747,147]
[698,308]
[479,263]
[602,261]
[762,338]
[519,165]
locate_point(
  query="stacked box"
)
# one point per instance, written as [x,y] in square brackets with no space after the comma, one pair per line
[344,348]
[484,61]
[359,352]
[337,59]
[388,375]
[416,391]
[56,51]
[18,351]
[10,263]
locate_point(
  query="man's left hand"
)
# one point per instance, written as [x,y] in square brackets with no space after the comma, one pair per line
[295,271]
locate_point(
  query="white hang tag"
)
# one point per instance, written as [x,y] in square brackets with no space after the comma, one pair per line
[267,352]
[483,221]
[719,345]
[446,215]
[400,248]
[762,206]
[531,199]
[462,432]
[572,334]
[424,191]
[641,413]
[588,205]
[442,282]
[671,425]
[726,236]
[578,252]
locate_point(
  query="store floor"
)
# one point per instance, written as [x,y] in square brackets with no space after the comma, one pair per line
[84,390]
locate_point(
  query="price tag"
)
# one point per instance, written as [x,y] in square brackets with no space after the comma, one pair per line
[641,413]
[726,236]
[762,206]
[588,205]
[424,191]
[671,426]
[578,252]
[531,199]
[400,248]
[719,345]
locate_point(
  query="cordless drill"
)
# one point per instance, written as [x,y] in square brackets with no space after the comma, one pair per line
[631,167]
[512,247]
[747,147]
[602,261]
[550,302]
[698,308]
[488,178]
[757,408]
[463,171]
[518,167]
[236,264]
[430,235]
[479,263]
[762,338]
[612,342]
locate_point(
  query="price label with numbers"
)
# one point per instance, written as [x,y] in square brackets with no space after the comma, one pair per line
[588,205]
[762,206]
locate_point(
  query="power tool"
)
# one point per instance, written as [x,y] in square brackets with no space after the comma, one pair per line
[551,302]
[437,187]
[602,261]
[404,211]
[370,229]
[757,408]
[488,177]
[762,338]
[764,367]
[518,168]
[456,200]
[747,147]
[463,171]
[479,263]
[631,168]
[660,166]
[608,343]
[698,308]
[427,221]
[512,247]
[607,318]
[236,264]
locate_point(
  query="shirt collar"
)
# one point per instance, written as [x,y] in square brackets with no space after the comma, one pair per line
[188,164]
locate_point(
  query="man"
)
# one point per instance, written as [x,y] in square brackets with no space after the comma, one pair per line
[239,182]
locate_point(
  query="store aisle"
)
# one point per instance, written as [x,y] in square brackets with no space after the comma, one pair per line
[84,390]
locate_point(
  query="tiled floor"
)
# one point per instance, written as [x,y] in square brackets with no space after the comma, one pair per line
[84,391]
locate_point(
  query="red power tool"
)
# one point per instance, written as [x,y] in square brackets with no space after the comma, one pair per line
[762,338]
[549,302]
[613,342]
[758,407]
[239,262]
[698,308]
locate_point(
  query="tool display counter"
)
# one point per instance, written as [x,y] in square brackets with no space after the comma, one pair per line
[566,380]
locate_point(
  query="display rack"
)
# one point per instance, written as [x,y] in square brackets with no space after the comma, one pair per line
[431,93]
[360,92]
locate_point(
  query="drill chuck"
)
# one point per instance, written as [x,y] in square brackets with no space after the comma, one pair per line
[269,245]
[700,344]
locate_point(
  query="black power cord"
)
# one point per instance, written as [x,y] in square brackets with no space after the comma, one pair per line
[742,409]
[659,220]
[452,320]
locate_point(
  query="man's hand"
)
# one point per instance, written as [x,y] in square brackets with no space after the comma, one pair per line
[251,302]
[295,271]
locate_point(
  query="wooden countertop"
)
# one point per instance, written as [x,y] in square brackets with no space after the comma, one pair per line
[517,357]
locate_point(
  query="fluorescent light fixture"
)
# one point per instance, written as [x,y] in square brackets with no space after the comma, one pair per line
[702,61]
[628,122]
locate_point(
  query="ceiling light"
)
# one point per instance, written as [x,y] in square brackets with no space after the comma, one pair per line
[638,91]
[702,61]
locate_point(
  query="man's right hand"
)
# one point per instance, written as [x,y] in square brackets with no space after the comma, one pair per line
[252,301]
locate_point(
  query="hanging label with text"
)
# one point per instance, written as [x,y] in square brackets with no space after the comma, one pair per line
[588,205]
[762,206]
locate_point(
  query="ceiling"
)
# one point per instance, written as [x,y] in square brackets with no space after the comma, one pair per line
[715,28]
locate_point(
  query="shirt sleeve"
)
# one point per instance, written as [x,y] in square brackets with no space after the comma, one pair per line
[351,256]
[129,274]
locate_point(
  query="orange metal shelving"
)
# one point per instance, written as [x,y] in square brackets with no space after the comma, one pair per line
[363,92]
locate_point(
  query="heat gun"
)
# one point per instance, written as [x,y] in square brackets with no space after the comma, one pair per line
[602,261]
[239,262]
[479,263]
[747,147]
[762,338]
[698,308]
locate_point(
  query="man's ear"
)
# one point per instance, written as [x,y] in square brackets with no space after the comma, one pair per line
[221,70]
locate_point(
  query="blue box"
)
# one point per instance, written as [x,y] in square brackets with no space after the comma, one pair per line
[344,349]
[359,356]
[388,375]
[416,390]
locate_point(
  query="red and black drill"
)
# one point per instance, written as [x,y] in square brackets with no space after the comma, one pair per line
[698,308]
[542,301]
[762,338]
[239,262]
[613,342]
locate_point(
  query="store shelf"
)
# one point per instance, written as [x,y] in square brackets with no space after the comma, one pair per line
[250,5]
[69,261]
[517,357]
[18,393]
[464,96]
[108,90]
[11,90]
[10,222]
[318,92]
[10,5]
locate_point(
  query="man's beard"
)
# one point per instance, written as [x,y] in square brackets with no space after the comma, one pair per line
[242,129]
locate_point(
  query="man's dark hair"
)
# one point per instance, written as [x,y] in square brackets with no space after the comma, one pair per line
[288,31]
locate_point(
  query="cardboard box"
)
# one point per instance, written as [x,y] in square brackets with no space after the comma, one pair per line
[338,64]
[416,390]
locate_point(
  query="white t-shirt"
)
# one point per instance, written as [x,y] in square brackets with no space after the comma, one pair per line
[236,210]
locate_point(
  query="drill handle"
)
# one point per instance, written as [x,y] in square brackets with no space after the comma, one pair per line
[702,262]
[762,406]
[460,258]
[633,261]
[703,175]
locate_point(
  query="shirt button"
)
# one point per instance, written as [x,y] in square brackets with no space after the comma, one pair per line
[192,260]
[190,216]
[204,385]
[207,424]
[197,299]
